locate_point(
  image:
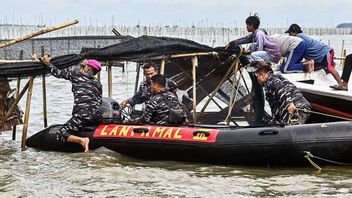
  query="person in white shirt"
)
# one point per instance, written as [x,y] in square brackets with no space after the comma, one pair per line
[293,48]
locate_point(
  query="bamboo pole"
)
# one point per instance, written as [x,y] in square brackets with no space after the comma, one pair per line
[342,48]
[138,69]
[45,109]
[232,94]
[162,66]
[27,112]
[110,81]
[194,65]
[40,32]
[219,85]
[14,129]
[201,87]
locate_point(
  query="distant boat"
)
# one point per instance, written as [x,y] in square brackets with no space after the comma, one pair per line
[344,25]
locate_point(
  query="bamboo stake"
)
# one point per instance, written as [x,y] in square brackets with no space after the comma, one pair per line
[45,109]
[233,93]
[201,87]
[138,69]
[162,66]
[14,129]
[110,81]
[27,112]
[342,48]
[219,85]
[40,32]
[194,65]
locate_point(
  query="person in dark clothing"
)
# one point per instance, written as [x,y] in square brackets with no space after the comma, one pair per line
[144,91]
[346,73]
[286,101]
[158,106]
[87,93]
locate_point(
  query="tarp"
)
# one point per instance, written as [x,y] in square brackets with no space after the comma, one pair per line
[131,49]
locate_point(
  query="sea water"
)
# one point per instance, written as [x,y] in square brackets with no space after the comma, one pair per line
[104,173]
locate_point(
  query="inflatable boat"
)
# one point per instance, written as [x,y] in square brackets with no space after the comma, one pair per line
[261,146]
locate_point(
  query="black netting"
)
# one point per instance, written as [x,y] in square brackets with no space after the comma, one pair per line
[131,49]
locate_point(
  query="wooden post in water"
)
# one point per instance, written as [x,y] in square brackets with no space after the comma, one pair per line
[162,66]
[27,112]
[14,128]
[342,49]
[138,69]
[194,65]
[45,109]
[232,97]
[109,80]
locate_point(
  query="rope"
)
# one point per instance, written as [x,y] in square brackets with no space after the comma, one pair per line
[324,114]
[326,160]
[307,156]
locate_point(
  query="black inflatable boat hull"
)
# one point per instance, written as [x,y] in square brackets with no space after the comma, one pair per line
[269,146]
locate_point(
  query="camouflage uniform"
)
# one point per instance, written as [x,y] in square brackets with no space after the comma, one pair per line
[280,93]
[87,93]
[145,92]
[157,109]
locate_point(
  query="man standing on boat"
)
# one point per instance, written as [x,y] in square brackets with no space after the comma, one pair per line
[144,92]
[286,101]
[158,107]
[87,92]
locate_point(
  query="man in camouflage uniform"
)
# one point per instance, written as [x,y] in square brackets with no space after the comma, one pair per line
[87,92]
[144,93]
[286,101]
[158,106]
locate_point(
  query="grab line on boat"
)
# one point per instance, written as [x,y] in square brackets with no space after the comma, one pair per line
[307,156]
[310,155]
[324,114]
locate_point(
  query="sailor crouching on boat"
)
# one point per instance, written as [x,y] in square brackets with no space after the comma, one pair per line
[144,92]
[162,108]
[87,93]
[286,101]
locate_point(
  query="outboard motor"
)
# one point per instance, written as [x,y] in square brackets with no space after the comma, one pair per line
[111,111]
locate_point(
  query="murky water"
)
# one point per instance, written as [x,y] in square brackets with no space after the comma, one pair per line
[104,173]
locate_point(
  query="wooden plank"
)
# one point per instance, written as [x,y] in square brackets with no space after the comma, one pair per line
[27,112]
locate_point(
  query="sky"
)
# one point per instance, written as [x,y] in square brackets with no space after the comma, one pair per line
[273,13]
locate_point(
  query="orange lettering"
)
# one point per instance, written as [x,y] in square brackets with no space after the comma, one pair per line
[168,133]
[103,132]
[159,130]
[146,134]
[124,131]
[114,131]
[177,135]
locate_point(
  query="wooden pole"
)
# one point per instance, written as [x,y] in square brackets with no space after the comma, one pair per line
[138,69]
[27,112]
[40,32]
[45,109]
[110,81]
[219,85]
[194,65]
[14,129]
[342,48]
[232,94]
[162,66]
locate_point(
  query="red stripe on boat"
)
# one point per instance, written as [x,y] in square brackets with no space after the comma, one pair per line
[156,132]
[328,110]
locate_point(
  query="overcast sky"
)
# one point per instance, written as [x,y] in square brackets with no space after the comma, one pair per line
[273,13]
